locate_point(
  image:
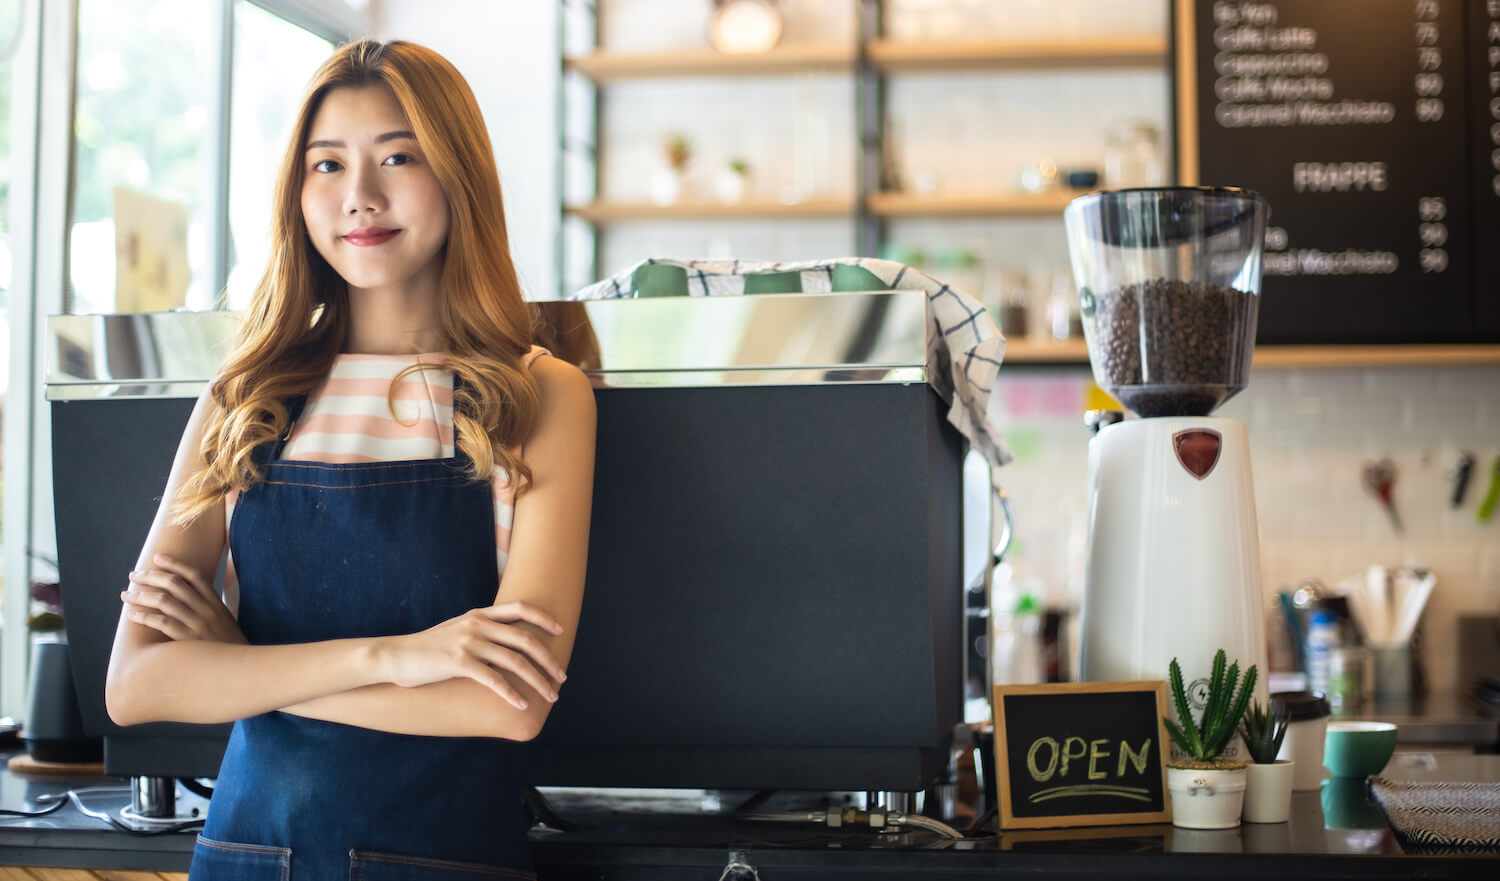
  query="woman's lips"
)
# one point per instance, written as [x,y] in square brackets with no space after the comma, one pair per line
[364,238]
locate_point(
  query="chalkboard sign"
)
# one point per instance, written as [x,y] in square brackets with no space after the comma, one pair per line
[1081,754]
[1354,118]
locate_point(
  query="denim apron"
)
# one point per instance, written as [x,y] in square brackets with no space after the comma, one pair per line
[327,551]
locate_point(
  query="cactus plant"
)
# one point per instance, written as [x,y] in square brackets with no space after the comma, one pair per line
[1206,739]
[1263,729]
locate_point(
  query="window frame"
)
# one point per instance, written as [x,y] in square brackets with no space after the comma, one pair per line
[41,161]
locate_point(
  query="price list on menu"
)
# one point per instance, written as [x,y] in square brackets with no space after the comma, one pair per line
[1354,119]
[1484,131]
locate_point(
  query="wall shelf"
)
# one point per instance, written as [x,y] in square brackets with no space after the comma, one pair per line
[895,204]
[608,67]
[1022,350]
[1403,355]
[609,212]
[900,56]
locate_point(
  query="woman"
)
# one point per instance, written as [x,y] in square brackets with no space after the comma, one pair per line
[378,663]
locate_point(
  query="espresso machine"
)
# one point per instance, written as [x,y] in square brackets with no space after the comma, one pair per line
[1169,288]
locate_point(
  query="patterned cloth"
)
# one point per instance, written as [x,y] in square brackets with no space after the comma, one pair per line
[964,347]
[1440,814]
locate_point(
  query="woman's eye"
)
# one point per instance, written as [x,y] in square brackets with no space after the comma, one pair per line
[325,165]
[399,159]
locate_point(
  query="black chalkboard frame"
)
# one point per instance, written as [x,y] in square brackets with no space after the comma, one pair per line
[1077,699]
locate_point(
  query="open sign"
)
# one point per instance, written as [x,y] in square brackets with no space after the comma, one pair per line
[1081,754]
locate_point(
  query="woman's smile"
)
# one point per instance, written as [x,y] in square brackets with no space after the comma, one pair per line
[366,237]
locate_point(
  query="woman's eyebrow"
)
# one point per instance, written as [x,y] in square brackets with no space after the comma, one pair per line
[379,139]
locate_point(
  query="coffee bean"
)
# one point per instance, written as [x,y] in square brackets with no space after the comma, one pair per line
[1174,348]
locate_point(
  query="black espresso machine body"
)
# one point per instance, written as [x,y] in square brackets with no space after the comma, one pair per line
[774,596]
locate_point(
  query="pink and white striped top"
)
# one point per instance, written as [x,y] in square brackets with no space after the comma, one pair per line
[348,419]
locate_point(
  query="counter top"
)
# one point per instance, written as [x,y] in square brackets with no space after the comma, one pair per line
[669,837]
[1442,718]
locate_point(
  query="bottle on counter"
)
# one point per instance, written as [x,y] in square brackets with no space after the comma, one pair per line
[1323,638]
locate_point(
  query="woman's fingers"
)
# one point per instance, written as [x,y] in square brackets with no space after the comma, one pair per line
[525,644]
[191,575]
[490,677]
[509,613]
[165,624]
[501,658]
[160,583]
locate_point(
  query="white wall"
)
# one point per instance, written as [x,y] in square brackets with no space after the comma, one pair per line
[1310,432]
[507,50]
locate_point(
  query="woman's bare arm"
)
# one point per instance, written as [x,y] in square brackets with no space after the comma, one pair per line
[154,677]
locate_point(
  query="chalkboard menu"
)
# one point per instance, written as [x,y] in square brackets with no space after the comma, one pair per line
[1081,754]
[1360,121]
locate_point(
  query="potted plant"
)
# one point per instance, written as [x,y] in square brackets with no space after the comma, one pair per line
[1268,780]
[666,186]
[731,181]
[1208,789]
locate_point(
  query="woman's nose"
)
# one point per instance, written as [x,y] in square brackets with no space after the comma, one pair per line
[364,193]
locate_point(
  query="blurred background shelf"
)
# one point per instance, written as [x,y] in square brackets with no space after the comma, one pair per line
[902,56]
[609,212]
[603,66]
[1405,355]
[898,204]
[1024,350]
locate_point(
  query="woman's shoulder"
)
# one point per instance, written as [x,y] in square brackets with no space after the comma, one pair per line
[557,377]
[566,393]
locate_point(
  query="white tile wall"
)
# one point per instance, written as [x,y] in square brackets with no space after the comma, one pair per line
[1310,430]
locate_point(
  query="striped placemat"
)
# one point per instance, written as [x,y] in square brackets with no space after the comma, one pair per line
[1441,814]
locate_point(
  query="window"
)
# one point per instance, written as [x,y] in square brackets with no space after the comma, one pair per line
[273,60]
[180,110]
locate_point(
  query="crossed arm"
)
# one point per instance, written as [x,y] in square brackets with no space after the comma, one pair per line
[493,671]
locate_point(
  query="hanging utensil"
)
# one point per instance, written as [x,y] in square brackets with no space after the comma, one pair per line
[1462,473]
[1380,480]
[1492,495]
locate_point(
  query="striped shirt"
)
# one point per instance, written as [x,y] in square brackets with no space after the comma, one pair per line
[348,419]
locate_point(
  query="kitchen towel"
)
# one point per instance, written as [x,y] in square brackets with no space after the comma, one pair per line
[1440,814]
[964,347]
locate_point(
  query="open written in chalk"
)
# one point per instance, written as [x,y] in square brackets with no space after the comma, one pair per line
[1081,754]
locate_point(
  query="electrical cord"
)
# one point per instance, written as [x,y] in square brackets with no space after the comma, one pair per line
[76,797]
[851,818]
[6,812]
[196,787]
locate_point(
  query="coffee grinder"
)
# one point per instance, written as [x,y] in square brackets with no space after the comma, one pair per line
[1169,288]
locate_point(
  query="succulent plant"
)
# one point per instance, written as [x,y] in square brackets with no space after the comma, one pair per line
[677,150]
[1206,739]
[1263,729]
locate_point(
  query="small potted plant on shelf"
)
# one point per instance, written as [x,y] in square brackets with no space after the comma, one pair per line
[1268,780]
[666,186]
[1208,789]
[731,181]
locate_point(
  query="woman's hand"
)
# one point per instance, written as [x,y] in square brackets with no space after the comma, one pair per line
[179,601]
[479,645]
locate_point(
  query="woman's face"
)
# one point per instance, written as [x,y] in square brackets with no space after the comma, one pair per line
[373,207]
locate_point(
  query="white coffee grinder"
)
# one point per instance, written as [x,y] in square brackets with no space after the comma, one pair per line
[1169,288]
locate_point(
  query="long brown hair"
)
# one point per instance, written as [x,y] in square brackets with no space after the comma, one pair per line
[299,314]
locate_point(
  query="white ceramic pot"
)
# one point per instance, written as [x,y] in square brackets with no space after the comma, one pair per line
[1268,791]
[730,186]
[666,186]
[1206,798]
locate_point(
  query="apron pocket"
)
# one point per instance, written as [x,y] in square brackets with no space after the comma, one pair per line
[229,861]
[365,865]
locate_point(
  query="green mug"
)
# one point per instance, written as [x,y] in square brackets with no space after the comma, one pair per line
[1358,749]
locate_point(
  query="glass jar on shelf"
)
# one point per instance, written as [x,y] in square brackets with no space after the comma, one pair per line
[1134,156]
